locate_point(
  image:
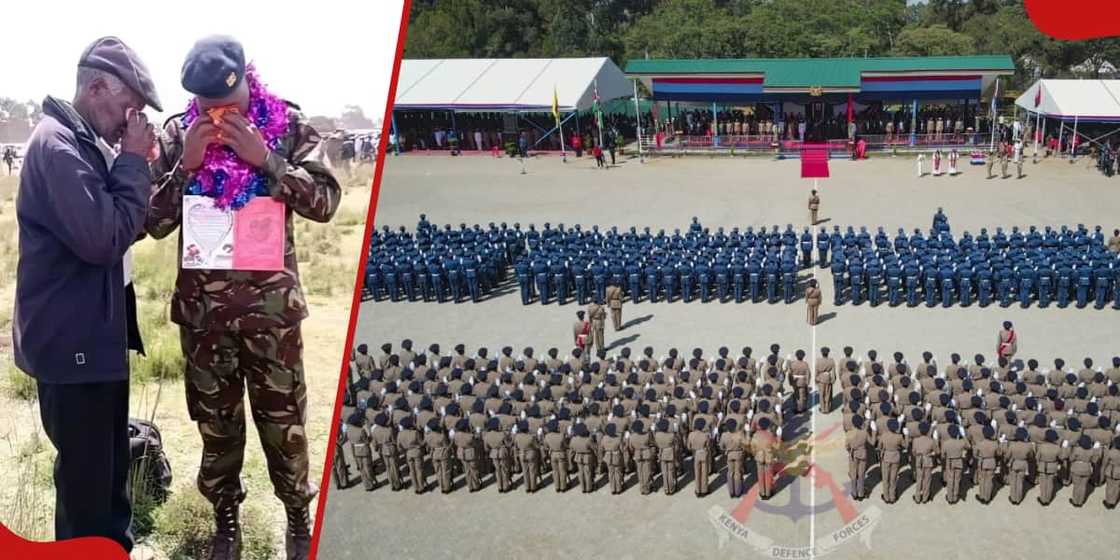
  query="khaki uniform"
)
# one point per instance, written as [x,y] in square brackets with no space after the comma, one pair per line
[557,448]
[699,443]
[735,447]
[813,301]
[441,449]
[1110,473]
[987,453]
[764,445]
[468,454]
[1019,456]
[666,443]
[1050,457]
[814,205]
[614,302]
[826,375]
[1081,465]
[412,444]
[497,448]
[953,455]
[615,460]
[891,446]
[528,452]
[358,439]
[584,450]
[859,443]
[924,451]
[799,375]
[598,317]
[645,456]
[385,444]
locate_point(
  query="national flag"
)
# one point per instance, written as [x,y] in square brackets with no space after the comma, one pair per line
[851,109]
[596,108]
[555,106]
[995,95]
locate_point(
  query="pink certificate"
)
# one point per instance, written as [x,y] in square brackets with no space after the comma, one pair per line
[258,235]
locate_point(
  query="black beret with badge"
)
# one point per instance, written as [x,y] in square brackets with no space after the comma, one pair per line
[214,68]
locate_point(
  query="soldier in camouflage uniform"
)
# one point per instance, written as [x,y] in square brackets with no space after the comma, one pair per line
[240,328]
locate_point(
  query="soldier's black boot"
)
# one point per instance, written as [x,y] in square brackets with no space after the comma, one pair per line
[226,542]
[297,539]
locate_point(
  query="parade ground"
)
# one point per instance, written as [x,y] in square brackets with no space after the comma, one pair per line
[810,515]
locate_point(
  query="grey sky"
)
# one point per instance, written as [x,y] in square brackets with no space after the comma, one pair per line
[322,55]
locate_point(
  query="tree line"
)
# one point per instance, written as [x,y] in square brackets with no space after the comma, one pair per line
[631,29]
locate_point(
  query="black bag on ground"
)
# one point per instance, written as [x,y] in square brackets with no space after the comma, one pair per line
[149,466]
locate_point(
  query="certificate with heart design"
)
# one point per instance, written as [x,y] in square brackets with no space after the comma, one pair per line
[251,238]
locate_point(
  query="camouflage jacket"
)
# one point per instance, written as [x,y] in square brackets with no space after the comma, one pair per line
[244,300]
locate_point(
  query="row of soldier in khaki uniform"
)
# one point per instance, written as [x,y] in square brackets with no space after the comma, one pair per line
[995,423]
[576,418]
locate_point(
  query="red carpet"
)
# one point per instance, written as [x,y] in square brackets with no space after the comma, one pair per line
[814,161]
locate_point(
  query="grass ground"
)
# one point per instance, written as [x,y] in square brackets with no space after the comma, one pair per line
[180,527]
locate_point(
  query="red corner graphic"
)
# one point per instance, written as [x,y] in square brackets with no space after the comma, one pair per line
[1075,20]
[87,548]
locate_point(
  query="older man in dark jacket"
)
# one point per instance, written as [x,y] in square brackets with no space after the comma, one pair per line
[79,209]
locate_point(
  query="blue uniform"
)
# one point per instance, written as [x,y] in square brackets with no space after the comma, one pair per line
[540,276]
[913,281]
[1103,281]
[524,282]
[669,282]
[651,274]
[634,277]
[704,280]
[754,273]
[720,270]
[823,245]
[837,278]
[559,282]
[874,281]
[965,277]
[1045,286]
[855,276]
[984,279]
[1065,283]
[945,276]
[1027,277]
[789,279]
[1084,280]
[599,276]
[806,249]
[1003,287]
[579,275]
[687,276]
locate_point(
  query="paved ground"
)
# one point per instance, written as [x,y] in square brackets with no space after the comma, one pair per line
[667,193]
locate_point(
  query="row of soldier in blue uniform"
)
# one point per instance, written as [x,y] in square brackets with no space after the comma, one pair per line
[1064,265]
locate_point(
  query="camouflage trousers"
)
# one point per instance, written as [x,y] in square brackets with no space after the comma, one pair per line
[220,365]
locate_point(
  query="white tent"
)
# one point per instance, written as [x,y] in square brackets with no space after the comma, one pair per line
[1067,100]
[505,84]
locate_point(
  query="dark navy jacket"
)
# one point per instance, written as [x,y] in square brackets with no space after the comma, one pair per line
[76,220]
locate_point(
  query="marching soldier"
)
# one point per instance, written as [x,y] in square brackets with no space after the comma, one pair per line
[383,440]
[467,452]
[612,446]
[699,443]
[436,441]
[859,441]
[1019,454]
[584,450]
[826,375]
[644,453]
[1083,458]
[924,452]
[359,441]
[891,445]
[556,445]
[814,205]
[987,454]
[598,317]
[1049,456]
[765,445]
[528,450]
[497,448]
[666,443]
[614,301]
[813,301]
[1110,473]
[954,452]
[799,372]
[340,472]
[410,440]
[734,445]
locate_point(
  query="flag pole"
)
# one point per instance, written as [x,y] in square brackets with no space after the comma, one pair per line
[599,113]
[995,95]
[563,152]
[638,119]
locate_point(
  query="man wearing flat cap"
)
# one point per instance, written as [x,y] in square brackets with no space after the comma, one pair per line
[81,205]
[241,328]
